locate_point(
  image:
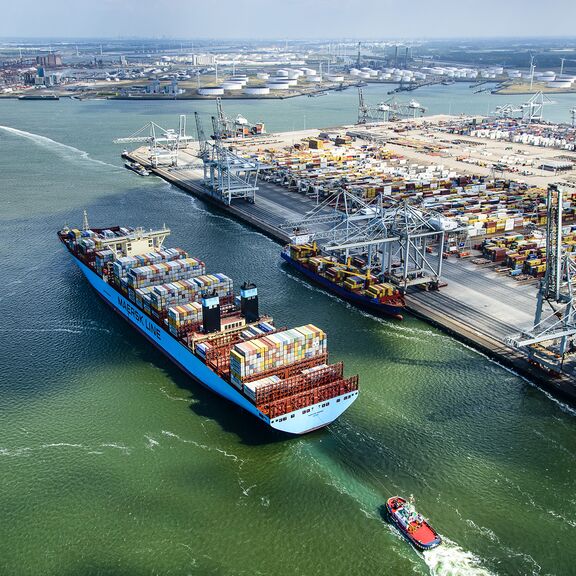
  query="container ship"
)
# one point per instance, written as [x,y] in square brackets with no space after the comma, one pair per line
[281,376]
[346,280]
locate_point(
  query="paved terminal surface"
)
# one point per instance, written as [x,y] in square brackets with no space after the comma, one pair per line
[479,305]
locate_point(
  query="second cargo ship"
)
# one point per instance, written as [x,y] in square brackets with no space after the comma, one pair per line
[347,280]
[281,376]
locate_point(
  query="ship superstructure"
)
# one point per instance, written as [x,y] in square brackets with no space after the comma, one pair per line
[281,376]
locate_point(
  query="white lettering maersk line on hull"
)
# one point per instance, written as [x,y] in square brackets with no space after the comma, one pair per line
[139,317]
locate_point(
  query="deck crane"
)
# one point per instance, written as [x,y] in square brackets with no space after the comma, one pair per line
[551,338]
[163,143]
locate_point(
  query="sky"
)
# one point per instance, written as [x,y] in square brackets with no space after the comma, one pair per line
[286,19]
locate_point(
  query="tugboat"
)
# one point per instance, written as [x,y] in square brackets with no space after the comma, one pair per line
[413,526]
[138,168]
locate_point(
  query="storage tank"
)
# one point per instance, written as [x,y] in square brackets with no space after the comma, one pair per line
[334,78]
[559,84]
[262,75]
[354,71]
[211,91]
[363,75]
[293,74]
[309,71]
[256,90]
[231,85]
[278,86]
[238,80]
[282,72]
[292,81]
[314,78]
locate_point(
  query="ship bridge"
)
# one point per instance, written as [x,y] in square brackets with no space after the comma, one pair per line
[137,242]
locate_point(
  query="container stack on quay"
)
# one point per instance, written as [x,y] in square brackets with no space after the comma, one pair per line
[524,255]
[320,166]
[562,136]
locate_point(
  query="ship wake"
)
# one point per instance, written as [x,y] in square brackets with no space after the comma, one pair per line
[64,150]
[449,559]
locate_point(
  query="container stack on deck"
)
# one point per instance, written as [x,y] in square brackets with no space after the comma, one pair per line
[251,358]
[279,370]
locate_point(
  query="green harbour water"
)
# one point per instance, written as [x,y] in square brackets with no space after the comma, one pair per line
[112,462]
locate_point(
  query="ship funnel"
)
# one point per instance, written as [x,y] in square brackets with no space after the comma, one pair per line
[211,313]
[249,302]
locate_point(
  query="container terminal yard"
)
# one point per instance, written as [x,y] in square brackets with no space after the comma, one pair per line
[473,210]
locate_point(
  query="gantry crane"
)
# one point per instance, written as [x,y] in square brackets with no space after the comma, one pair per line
[227,175]
[551,337]
[395,238]
[163,143]
[530,111]
[390,109]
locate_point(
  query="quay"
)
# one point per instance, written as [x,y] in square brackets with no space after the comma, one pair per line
[478,306]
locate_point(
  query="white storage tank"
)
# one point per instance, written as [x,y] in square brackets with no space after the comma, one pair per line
[282,72]
[262,75]
[313,78]
[256,90]
[334,78]
[211,91]
[236,80]
[231,85]
[559,84]
[292,81]
[354,71]
[278,86]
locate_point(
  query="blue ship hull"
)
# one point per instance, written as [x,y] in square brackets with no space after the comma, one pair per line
[358,299]
[298,422]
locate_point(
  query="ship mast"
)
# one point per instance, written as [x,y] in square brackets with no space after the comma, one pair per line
[85,225]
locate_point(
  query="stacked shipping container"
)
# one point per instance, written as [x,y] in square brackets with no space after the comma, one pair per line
[275,350]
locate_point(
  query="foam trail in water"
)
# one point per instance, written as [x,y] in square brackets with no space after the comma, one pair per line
[451,560]
[68,152]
